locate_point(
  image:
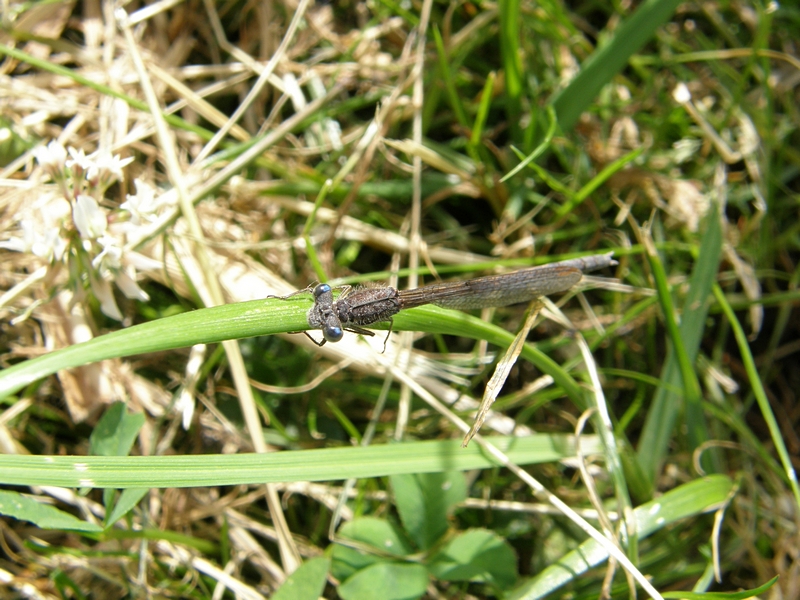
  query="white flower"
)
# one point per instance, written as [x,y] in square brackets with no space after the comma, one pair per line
[143,205]
[50,245]
[185,406]
[103,292]
[24,243]
[100,170]
[79,161]
[108,267]
[107,168]
[681,94]
[41,241]
[126,282]
[89,218]
[110,257]
[52,158]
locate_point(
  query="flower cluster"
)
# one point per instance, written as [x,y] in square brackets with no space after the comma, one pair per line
[89,237]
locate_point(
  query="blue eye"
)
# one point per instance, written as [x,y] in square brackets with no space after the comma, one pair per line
[322,288]
[332,333]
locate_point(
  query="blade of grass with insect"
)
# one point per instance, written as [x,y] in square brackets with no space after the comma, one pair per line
[248,319]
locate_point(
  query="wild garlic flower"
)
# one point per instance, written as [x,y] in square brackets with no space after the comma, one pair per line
[97,250]
[78,161]
[106,169]
[52,158]
[101,288]
[38,238]
[143,206]
[90,219]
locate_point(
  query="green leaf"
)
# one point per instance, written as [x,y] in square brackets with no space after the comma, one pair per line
[476,555]
[425,501]
[387,581]
[23,508]
[306,583]
[116,431]
[127,500]
[380,538]
[378,533]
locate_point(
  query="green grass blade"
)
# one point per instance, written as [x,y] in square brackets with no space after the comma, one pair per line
[760,393]
[607,61]
[658,429]
[539,150]
[596,181]
[691,386]
[205,326]
[449,81]
[280,467]
[512,65]
[483,112]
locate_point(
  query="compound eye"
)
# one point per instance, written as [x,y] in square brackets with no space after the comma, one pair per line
[332,333]
[322,288]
